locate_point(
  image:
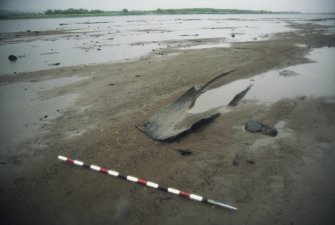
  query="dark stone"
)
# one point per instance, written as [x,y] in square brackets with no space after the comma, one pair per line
[137,75]
[253,126]
[233,35]
[256,126]
[271,131]
[46,116]
[12,58]
[251,161]
[54,64]
[185,151]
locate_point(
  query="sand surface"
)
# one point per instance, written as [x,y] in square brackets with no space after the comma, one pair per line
[289,179]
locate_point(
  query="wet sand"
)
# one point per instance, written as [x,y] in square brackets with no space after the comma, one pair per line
[284,180]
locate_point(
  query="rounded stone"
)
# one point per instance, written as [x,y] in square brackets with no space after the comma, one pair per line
[253,126]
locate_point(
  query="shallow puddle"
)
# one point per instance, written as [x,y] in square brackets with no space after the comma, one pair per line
[22,113]
[316,79]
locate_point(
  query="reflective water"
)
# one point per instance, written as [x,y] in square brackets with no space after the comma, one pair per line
[219,45]
[22,111]
[109,39]
[316,79]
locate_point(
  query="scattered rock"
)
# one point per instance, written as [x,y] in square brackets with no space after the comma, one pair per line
[287,73]
[54,64]
[111,84]
[271,131]
[99,49]
[232,35]
[45,116]
[12,58]
[185,151]
[137,75]
[253,126]
[251,161]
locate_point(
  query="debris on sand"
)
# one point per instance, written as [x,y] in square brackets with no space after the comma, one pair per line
[251,161]
[185,151]
[12,58]
[254,126]
[175,121]
[288,73]
[54,64]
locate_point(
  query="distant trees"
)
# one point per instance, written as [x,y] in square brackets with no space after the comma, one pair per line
[125,11]
[71,11]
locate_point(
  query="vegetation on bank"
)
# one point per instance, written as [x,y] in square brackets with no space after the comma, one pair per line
[84,12]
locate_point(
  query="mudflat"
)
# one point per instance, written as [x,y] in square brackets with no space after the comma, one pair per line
[289,179]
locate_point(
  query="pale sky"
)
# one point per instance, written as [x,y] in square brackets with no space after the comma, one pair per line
[273,5]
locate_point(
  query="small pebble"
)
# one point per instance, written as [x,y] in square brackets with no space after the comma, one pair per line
[251,161]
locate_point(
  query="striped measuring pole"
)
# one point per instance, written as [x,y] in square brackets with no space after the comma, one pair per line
[145,183]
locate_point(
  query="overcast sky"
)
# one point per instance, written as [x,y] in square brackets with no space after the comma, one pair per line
[273,5]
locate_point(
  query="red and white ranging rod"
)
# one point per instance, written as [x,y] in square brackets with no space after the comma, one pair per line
[145,182]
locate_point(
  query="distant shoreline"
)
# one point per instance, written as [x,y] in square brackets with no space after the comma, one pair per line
[95,13]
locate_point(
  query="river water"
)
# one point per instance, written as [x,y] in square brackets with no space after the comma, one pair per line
[91,40]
